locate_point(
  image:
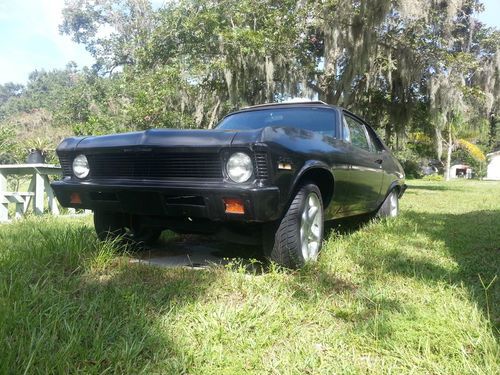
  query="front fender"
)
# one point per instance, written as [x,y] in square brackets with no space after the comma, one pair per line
[320,173]
[69,144]
[309,165]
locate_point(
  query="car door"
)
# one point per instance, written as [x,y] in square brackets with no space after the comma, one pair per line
[366,174]
[389,169]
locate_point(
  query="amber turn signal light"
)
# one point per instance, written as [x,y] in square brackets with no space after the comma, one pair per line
[286,166]
[75,198]
[234,206]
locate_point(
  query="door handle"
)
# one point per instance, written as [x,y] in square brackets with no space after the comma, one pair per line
[379,161]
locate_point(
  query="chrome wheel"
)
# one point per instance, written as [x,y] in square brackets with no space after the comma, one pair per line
[311,227]
[393,205]
[299,235]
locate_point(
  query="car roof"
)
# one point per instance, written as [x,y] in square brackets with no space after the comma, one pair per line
[304,104]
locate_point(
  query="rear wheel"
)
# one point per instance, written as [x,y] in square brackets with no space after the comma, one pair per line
[110,225]
[390,206]
[298,237]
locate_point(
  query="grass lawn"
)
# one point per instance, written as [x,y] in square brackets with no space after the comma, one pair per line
[408,295]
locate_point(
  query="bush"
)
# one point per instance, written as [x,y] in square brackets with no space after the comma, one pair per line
[10,149]
[410,161]
[433,177]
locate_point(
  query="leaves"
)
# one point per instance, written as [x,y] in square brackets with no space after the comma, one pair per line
[408,66]
[472,149]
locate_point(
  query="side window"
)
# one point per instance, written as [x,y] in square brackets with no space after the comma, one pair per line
[357,133]
[375,141]
[346,134]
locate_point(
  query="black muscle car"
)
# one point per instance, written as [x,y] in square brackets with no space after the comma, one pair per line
[269,174]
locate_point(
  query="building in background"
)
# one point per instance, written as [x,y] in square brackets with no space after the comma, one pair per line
[493,171]
[461,171]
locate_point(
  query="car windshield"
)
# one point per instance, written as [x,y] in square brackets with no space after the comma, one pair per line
[320,120]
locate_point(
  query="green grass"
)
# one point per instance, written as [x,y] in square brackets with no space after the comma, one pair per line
[398,296]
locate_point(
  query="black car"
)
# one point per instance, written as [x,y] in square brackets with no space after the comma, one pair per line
[269,174]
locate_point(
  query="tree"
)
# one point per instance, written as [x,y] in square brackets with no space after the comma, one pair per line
[409,66]
[111,30]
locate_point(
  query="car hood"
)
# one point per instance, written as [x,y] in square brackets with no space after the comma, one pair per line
[182,138]
[158,138]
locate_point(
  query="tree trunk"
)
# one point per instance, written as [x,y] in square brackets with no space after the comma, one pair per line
[448,155]
[388,133]
[493,130]
[439,143]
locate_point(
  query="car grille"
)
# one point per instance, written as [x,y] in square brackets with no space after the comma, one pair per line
[66,161]
[261,168]
[152,165]
[149,165]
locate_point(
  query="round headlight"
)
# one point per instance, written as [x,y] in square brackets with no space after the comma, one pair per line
[239,167]
[81,166]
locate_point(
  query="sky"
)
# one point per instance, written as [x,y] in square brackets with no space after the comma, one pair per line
[30,39]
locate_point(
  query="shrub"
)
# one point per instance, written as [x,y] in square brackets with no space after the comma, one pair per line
[433,177]
[410,161]
[10,150]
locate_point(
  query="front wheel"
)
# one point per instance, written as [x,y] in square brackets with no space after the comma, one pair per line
[299,235]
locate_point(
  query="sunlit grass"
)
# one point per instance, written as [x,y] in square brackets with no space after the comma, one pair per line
[396,296]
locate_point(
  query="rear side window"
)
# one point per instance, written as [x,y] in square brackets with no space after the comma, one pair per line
[356,133]
[375,141]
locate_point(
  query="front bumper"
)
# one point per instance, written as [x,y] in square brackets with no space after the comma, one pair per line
[171,199]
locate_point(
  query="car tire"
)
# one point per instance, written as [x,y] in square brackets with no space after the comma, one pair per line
[299,235]
[111,225]
[390,206]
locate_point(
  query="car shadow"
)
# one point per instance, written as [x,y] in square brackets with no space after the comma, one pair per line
[472,239]
[205,251]
[347,225]
[199,251]
[473,242]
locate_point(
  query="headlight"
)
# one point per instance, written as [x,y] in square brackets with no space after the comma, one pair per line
[239,167]
[81,166]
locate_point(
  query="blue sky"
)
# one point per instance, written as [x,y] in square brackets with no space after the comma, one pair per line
[491,16]
[29,37]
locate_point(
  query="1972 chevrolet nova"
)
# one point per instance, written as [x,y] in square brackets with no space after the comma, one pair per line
[271,174]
